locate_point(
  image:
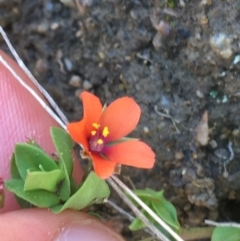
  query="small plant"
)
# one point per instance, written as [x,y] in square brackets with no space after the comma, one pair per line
[39,180]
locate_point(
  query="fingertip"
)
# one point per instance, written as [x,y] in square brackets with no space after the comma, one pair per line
[43,225]
[21,117]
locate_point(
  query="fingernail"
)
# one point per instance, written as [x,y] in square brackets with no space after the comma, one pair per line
[87,232]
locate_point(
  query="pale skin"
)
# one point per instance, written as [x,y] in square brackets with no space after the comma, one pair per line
[21,117]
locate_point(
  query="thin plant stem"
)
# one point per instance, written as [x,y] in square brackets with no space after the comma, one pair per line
[32,78]
[120,210]
[130,218]
[147,209]
[34,94]
[230,224]
[167,116]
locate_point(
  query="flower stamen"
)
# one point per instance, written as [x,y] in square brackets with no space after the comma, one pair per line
[97,139]
[96,125]
[100,141]
[93,133]
[105,131]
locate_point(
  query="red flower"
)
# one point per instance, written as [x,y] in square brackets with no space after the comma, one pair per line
[101,131]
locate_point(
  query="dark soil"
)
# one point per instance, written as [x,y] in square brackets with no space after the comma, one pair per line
[180,56]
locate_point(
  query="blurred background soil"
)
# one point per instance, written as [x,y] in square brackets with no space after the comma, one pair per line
[176,58]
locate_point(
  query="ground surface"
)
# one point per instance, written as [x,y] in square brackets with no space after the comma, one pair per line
[181,56]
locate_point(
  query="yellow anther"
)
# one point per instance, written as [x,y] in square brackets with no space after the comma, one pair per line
[105,131]
[100,141]
[93,133]
[96,125]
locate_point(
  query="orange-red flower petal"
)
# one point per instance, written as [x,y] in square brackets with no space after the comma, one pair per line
[102,167]
[78,133]
[92,110]
[121,117]
[132,153]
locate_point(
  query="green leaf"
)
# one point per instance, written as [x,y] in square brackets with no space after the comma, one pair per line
[29,157]
[147,195]
[64,146]
[167,212]
[16,175]
[74,185]
[22,203]
[137,224]
[93,190]
[163,208]
[43,180]
[39,198]
[14,170]
[226,234]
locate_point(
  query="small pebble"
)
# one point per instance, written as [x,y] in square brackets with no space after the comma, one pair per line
[157,41]
[79,33]
[235,132]
[236,59]
[213,144]
[42,28]
[87,85]
[182,3]
[204,20]
[163,28]
[54,26]
[68,64]
[224,99]
[223,74]
[75,81]
[100,65]
[69,3]
[202,130]
[146,129]
[199,94]
[133,14]
[41,66]
[205,2]
[221,44]
[179,155]
[101,55]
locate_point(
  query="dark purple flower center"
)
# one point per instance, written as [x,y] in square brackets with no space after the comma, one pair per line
[98,138]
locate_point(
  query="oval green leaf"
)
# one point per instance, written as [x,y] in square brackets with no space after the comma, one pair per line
[43,180]
[93,190]
[167,212]
[226,234]
[39,198]
[14,170]
[29,157]
[64,146]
